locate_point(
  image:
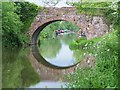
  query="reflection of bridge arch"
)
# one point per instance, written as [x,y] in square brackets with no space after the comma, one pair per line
[48,71]
[93,26]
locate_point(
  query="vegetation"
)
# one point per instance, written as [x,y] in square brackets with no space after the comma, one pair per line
[16,20]
[48,31]
[105,73]
[107,9]
[17,71]
[11,25]
[27,11]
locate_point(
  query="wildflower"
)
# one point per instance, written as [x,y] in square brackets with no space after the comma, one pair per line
[98,47]
[84,53]
[86,44]
[108,49]
[102,46]
[103,38]
[95,54]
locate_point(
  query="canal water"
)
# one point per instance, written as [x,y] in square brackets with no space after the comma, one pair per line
[42,66]
[57,51]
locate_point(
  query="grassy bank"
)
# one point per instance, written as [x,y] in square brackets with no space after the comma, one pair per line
[104,73]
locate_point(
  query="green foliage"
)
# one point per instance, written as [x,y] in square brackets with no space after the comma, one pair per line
[94,5]
[27,11]
[74,45]
[112,14]
[107,9]
[79,54]
[10,25]
[80,39]
[16,20]
[90,8]
[104,73]
[48,31]
[81,43]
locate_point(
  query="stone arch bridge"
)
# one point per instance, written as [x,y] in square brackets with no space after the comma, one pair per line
[93,26]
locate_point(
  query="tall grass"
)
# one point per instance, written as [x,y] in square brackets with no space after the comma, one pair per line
[104,73]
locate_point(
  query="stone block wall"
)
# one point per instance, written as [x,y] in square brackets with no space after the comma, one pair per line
[93,26]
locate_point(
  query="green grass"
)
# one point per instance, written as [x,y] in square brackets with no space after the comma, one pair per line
[89,8]
[92,11]
[104,74]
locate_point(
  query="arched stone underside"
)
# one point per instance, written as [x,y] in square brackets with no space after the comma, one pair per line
[93,26]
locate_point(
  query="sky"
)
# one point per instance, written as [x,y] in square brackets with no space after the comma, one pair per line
[63,4]
[60,4]
[38,2]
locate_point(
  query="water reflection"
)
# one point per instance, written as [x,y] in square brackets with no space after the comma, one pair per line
[57,52]
[47,71]
[64,57]
[49,84]
[20,65]
[50,47]
[17,71]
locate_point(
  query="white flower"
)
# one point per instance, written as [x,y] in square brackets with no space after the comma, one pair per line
[84,53]
[103,38]
[95,54]
[86,44]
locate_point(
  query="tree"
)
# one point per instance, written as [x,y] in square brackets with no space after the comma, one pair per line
[11,24]
[27,11]
[16,20]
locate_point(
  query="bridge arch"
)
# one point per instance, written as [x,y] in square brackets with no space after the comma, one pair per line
[46,23]
[93,26]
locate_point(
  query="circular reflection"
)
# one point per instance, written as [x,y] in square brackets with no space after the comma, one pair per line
[54,42]
[40,58]
[57,52]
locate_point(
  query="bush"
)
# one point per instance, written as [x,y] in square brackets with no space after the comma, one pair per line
[80,39]
[81,43]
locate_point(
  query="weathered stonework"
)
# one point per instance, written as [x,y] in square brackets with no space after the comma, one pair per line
[93,26]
